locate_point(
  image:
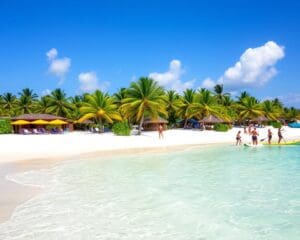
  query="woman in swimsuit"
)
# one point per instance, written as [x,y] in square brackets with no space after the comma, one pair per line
[238,138]
[269,136]
[280,137]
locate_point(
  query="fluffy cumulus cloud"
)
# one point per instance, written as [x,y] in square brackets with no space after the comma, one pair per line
[89,82]
[171,78]
[255,67]
[58,66]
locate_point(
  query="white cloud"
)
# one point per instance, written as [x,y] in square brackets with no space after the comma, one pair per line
[58,66]
[52,53]
[208,83]
[89,82]
[46,92]
[255,67]
[171,78]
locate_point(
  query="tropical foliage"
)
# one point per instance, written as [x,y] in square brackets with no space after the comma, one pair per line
[145,98]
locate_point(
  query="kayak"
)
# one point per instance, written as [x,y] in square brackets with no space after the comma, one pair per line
[296,142]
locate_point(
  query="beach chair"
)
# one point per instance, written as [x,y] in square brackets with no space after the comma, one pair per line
[35,131]
[26,131]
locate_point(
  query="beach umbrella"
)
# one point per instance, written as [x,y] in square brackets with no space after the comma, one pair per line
[40,122]
[20,122]
[57,122]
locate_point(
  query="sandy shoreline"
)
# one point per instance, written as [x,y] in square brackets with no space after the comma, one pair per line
[20,153]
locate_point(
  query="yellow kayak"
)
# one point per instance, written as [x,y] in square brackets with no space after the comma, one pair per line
[295,142]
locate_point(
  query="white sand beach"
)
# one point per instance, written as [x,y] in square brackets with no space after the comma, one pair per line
[24,147]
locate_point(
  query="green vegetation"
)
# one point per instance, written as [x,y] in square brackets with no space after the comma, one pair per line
[276,124]
[121,128]
[5,126]
[220,127]
[145,98]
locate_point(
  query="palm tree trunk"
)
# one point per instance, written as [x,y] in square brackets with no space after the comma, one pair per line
[101,130]
[185,123]
[140,125]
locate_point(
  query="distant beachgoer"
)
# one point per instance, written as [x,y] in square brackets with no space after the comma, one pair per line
[245,130]
[269,135]
[280,137]
[238,138]
[249,129]
[254,136]
[160,131]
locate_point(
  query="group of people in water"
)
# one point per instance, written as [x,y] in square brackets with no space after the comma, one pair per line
[254,135]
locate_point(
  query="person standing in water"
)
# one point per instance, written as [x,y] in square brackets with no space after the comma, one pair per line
[269,136]
[160,131]
[254,136]
[280,137]
[238,138]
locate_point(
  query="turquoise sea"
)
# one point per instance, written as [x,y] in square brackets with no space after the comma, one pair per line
[205,193]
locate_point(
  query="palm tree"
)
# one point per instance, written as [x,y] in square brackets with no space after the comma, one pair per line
[118,98]
[243,95]
[77,102]
[25,105]
[42,105]
[59,104]
[172,104]
[292,113]
[9,103]
[206,104]
[101,107]
[271,110]
[186,101]
[219,93]
[249,108]
[144,97]
[26,92]
[27,101]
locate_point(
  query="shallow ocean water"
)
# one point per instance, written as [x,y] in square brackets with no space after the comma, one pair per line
[223,192]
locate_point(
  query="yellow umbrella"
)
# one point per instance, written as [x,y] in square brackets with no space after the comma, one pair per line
[57,122]
[20,122]
[40,122]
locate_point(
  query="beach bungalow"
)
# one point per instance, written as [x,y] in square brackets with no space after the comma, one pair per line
[152,124]
[209,121]
[29,122]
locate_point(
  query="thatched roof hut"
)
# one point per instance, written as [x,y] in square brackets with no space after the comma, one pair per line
[212,119]
[37,116]
[151,124]
[260,119]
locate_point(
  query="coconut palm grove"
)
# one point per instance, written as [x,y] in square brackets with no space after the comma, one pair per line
[145,98]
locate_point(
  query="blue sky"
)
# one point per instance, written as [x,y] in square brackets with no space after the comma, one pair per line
[107,44]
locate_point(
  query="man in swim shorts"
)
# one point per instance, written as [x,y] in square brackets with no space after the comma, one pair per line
[254,136]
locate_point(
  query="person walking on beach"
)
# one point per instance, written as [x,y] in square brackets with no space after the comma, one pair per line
[280,137]
[269,136]
[249,129]
[245,130]
[160,131]
[254,136]
[238,138]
